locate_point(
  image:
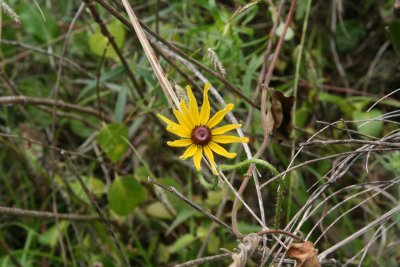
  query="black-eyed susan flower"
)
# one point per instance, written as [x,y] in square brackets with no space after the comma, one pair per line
[198,131]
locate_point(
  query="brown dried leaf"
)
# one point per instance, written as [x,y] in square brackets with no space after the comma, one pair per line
[304,254]
[279,116]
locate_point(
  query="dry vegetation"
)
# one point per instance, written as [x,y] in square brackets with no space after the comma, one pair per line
[87,177]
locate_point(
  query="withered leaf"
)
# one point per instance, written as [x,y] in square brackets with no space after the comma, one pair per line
[304,254]
[279,115]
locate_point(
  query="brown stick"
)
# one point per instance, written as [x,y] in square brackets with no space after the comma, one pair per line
[23,100]
[47,215]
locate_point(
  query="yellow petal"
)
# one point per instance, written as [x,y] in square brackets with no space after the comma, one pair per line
[179,131]
[189,152]
[197,157]
[205,109]
[193,108]
[186,114]
[228,139]
[219,116]
[220,150]
[210,158]
[181,119]
[224,129]
[180,143]
[167,121]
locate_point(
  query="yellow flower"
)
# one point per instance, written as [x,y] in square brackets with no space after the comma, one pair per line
[197,130]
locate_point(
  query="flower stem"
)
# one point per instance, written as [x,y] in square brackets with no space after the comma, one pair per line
[213,185]
[248,162]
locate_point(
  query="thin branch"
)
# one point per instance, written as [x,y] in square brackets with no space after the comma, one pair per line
[49,53]
[158,71]
[156,46]
[111,40]
[205,260]
[360,232]
[23,100]
[350,141]
[191,203]
[46,215]
[103,218]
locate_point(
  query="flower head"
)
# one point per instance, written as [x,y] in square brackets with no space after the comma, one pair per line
[198,131]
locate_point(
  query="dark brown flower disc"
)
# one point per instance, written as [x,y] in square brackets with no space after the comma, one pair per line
[201,135]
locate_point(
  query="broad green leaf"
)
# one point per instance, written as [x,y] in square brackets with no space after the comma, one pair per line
[158,210]
[98,42]
[125,194]
[51,236]
[181,243]
[95,186]
[372,128]
[111,141]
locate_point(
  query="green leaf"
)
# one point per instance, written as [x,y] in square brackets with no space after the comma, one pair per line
[95,186]
[182,217]
[38,22]
[111,140]
[372,128]
[81,129]
[181,243]
[158,210]
[50,237]
[120,105]
[98,42]
[125,194]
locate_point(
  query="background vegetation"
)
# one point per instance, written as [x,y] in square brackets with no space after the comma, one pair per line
[77,114]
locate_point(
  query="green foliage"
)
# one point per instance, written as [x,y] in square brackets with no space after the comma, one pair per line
[51,236]
[98,43]
[111,140]
[95,186]
[339,76]
[125,194]
[368,124]
[349,35]
[158,210]
[38,22]
[181,243]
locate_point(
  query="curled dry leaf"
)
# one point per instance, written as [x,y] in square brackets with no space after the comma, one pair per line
[304,254]
[279,116]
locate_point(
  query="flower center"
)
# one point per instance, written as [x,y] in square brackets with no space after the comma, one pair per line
[201,135]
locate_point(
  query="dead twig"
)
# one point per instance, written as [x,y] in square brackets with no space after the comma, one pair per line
[24,100]
[47,215]
[191,203]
